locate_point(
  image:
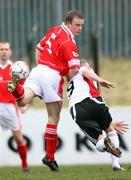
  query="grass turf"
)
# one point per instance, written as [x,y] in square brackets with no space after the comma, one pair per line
[81,172]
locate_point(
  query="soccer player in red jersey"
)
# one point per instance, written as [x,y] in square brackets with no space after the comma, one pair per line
[8,109]
[57,56]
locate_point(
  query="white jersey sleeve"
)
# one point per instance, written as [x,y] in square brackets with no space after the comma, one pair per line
[80,88]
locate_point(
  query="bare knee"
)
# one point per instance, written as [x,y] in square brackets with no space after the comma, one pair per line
[110,128]
[53,110]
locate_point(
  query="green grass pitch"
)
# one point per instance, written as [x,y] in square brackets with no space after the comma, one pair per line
[81,172]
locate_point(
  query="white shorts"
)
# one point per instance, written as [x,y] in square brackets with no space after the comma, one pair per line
[9,116]
[45,83]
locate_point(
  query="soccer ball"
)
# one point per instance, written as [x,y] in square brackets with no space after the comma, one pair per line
[20,69]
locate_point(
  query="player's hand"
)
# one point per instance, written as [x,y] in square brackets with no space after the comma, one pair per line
[120,126]
[23,109]
[107,84]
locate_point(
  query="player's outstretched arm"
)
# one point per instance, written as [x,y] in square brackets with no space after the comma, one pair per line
[88,72]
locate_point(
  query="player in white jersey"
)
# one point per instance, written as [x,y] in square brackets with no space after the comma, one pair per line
[91,113]
[8,109]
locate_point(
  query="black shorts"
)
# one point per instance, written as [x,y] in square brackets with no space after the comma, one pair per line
[92,117]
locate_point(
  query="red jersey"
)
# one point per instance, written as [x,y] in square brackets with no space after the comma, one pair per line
[59,50]
[5,95]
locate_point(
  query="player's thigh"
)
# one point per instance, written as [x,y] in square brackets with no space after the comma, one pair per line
[51,84]
[105,118]
[32,85]
[84,119]
[29,94]
[45,83]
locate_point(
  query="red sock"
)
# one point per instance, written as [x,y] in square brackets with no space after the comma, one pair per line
[51,139]
[22,150]
[19,91]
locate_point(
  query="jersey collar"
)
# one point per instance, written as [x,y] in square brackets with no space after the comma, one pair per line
[2,66]
[67,30]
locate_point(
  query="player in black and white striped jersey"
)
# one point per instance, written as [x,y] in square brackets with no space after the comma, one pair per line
[91,114]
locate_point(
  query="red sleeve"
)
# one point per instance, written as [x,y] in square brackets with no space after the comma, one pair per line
[70,53]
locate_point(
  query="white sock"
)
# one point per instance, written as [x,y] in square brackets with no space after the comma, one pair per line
[100,145]
[115,140]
